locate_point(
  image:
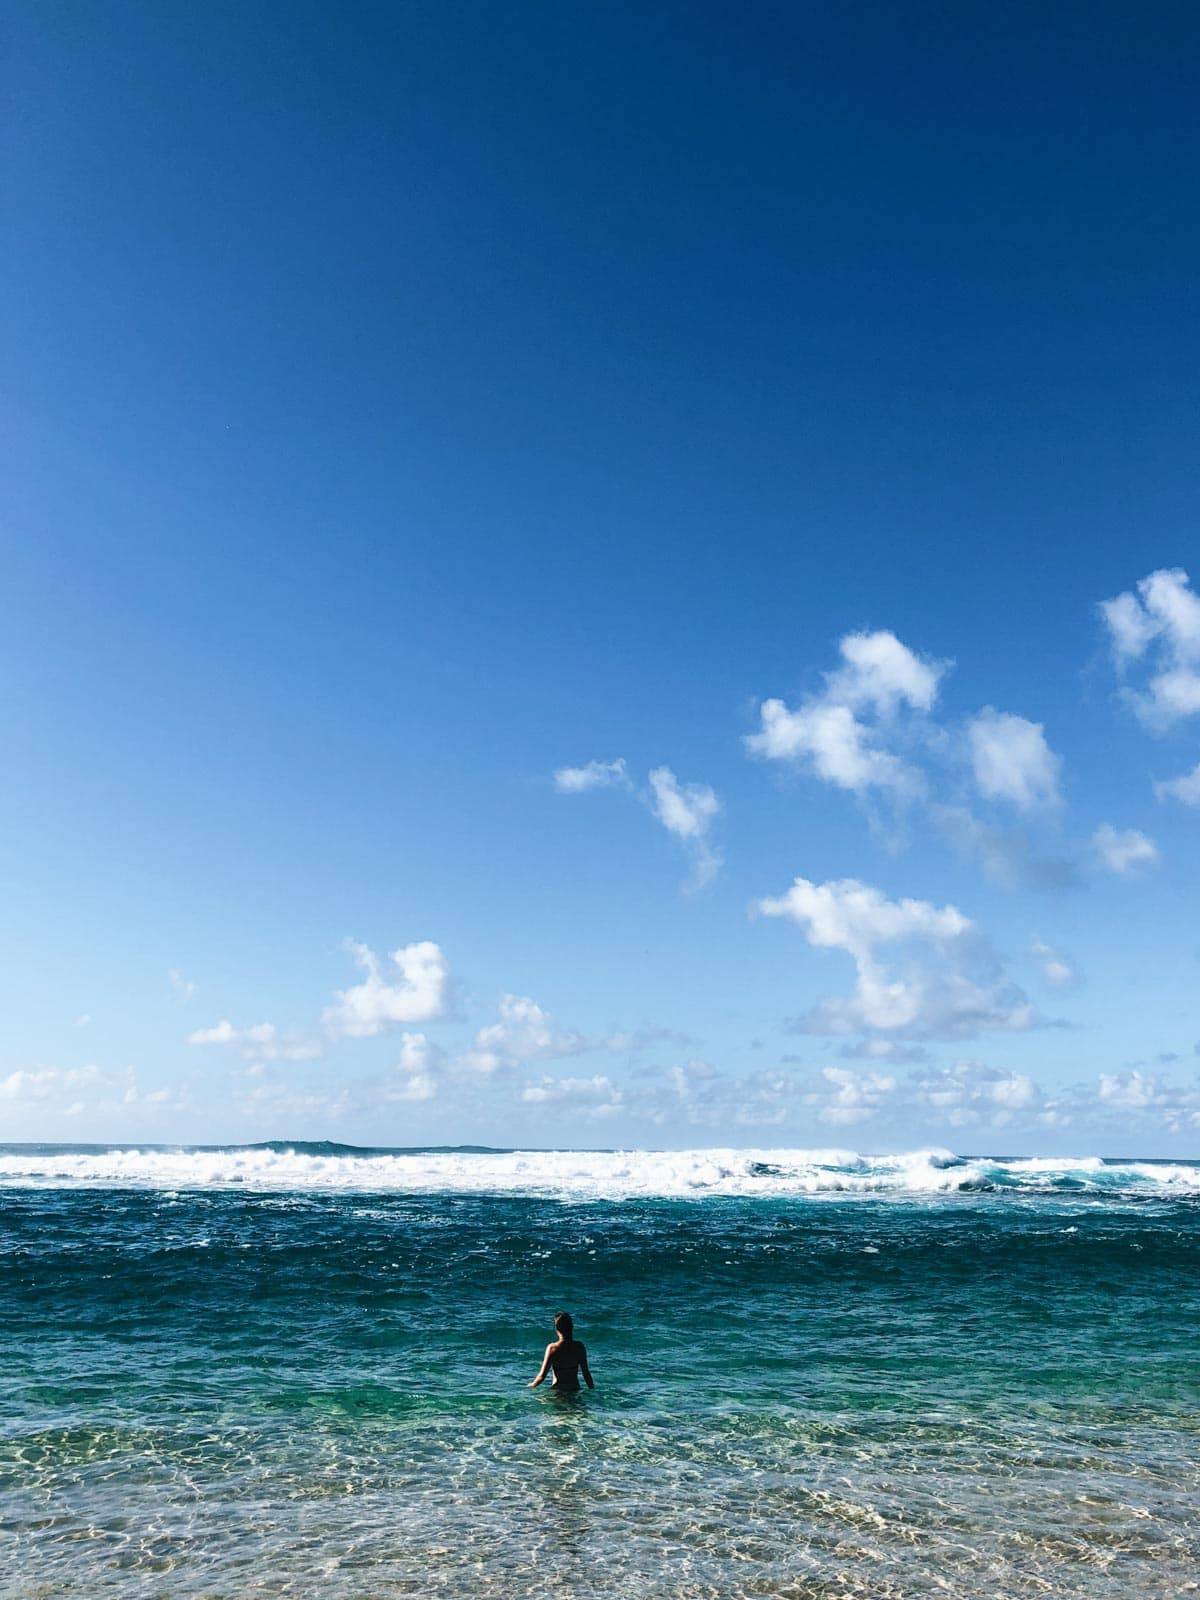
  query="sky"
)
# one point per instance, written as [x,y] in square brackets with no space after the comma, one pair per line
[601,576]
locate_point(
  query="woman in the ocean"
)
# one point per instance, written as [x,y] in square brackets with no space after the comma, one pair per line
[565,1358]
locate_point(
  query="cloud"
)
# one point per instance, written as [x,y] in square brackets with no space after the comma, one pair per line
[1185,788]
[1012,761]
[523,1033]
[1055,968]
[1139,1093]
[595,775]
[882,673]
[260,1042]
[1125,850]
[83,1019]
[883,1050]
[688,811]
[183,987]
[951,986]
[417,991]
[1161,624]
[595,1097]
[637,1039]
[878,677]
[56,1091]
[1008,856]
[421,1066]
[970,1092]
[850,1097]
[29,1086]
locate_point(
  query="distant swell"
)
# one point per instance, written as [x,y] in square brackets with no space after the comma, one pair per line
[638,1174]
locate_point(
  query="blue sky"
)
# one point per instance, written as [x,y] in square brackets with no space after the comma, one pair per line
[410,404]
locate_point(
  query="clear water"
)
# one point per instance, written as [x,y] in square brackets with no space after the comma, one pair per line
[298,1371]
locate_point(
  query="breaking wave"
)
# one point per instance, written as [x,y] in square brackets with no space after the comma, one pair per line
[603,1174]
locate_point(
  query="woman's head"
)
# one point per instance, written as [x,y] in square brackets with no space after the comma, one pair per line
[563,1326]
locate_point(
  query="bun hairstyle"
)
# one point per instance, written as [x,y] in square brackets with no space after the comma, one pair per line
[563,1325]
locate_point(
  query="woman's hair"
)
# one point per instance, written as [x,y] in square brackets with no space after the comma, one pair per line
[563,1324]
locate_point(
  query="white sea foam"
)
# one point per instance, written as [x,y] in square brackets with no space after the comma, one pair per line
[589,1174]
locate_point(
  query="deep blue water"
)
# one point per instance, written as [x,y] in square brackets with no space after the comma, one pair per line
[284,1378]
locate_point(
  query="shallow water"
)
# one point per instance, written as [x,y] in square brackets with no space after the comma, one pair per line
[311,1381]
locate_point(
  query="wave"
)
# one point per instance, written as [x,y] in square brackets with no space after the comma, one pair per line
[610,1174]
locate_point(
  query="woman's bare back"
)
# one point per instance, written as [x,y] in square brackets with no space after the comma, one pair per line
[565,1360]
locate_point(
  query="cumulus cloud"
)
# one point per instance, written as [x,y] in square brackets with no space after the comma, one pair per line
[1185,788]
[595,775]
[1141,1093]
[1123,850]
[959,1095]
[522,1034]
[183,987]
[850,1097]
[58,1091]
[1160,625]
[949,984]
[594,1097]
[420,1069]
[969,1092]
[1011,760]
[260,1042]
[413,987]
[688,811]
[1056,969]
[841,732]
[32,1085]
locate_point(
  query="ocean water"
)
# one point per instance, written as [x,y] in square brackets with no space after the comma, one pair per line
[300,1370]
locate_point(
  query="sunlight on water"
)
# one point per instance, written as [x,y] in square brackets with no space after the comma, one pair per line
[222,1391]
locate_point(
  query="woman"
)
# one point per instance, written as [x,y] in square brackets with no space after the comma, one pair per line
[565,1358]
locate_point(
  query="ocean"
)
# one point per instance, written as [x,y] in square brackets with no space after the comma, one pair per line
[301,1370]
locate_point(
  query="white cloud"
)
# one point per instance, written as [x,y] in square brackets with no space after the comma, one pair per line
[417,991]
[83,1020]
[1123,850]
[687,1078]
[879,675]
[1185,788]
[688,811]
[1160,622]
[952,985]
[421,1066]
[1011,760]
[849,1097]
[596,1097]
[970,1092]
[1137,1093]
[260,1042]
[881,672]
[960,1095]
[685,810]
[183,987]
[595,775]
[841,748]
[524,1033]
[56,1091]
[27,1086]
[1056,969]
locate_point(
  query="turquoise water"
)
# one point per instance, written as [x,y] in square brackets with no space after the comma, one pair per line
[300,1371]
